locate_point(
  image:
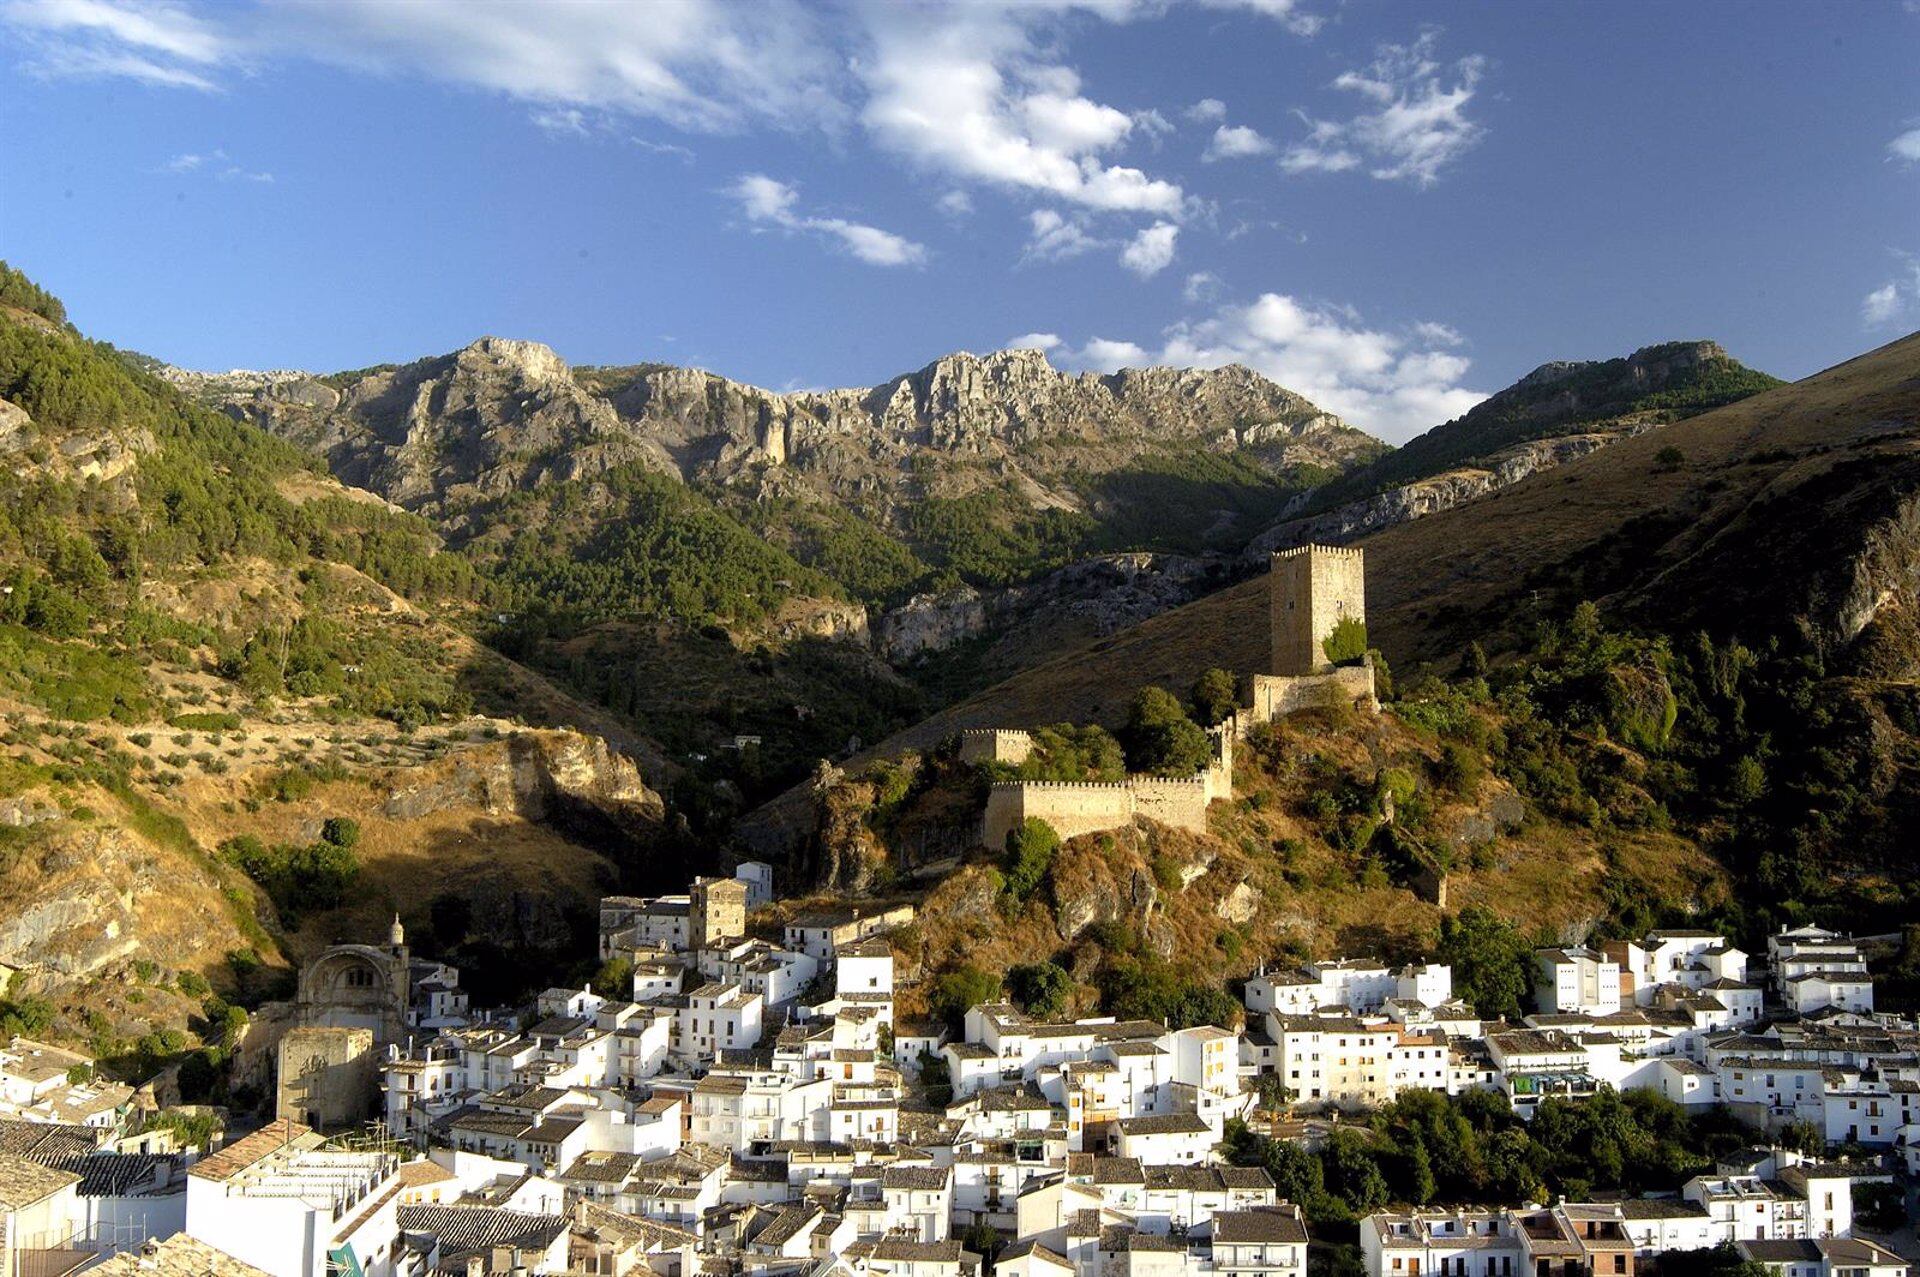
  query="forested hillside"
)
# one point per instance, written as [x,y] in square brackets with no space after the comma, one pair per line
[236,713]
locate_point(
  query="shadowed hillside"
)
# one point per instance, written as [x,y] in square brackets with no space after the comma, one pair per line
[1779,515]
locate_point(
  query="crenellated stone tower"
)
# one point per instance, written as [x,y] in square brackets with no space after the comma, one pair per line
[1312,589]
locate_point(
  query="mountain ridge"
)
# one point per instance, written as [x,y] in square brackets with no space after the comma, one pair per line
[1561,410]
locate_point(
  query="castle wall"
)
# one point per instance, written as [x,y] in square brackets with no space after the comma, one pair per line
[1091,807]
[1181,804]
[989,745]
[1311,589]
[1273,696]
[1072,809]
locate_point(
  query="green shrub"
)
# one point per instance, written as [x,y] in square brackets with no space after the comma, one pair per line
[207,721]
[1347,644]
[1159,737]
[1216,695]
[955,992]
[1029,857]
[1041,988]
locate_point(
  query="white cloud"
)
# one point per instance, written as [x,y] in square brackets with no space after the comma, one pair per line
[1034,341]
[160,44]
[1880,305]
[1151,251]
[1287,12]
[697,64]
[1100,354]
[1152,125]
[1894,300]
[955,203]
[1111,356]
[1906,146]
[1438,334]
[1207,111]
[968,92]
[216,164]
[561,121]
[1201,286]
[663,148]
[1235,142]
[769,202]
[1393,384]
[1054,236]
[1419,124]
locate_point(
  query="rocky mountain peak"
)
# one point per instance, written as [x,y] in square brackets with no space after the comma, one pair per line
[530,359]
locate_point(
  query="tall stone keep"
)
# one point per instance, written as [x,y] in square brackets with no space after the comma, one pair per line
[1313,588]
[717,910]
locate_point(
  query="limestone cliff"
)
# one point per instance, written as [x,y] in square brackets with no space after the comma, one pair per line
[83,888]
[1084,600]
[1443,491]
[501,415]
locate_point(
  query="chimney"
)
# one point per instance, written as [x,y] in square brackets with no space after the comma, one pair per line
[476,1265]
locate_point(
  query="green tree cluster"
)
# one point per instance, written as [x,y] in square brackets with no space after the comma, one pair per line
[957,991]
[1347,644]
[1160,739]
[1427,1148]
[1069,752]
[300,878]
[17,290]
[1042,989]
[1492,962]
[1216,694]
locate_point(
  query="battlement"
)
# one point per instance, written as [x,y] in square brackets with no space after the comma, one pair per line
[1075,807]
[1342,551]
[995,745]
[1075,784]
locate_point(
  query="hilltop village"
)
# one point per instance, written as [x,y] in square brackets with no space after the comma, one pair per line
[746,1101]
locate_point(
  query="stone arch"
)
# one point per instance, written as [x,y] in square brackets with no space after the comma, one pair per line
[349,978]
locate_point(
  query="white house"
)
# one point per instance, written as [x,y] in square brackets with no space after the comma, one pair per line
[1577,980]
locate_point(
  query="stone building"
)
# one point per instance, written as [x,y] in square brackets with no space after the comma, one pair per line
[1312,588]
[353,1001]
[717,910]
[994,745]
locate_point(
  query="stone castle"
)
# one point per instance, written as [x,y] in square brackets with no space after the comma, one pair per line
[1311,589]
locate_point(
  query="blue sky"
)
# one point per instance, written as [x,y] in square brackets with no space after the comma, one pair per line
[1391,208]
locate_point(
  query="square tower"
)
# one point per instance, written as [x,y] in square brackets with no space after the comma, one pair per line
[1313,588]
[717,911]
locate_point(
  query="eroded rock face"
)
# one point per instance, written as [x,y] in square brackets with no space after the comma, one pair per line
[1090,887]
[1361,518]
[501,415]
[99,454]
[83,894]
[537,776]
[1107,593]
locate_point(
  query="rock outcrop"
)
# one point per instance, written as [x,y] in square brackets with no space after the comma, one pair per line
[1092,598]
[1356,519]
[501,415]
[81,891]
